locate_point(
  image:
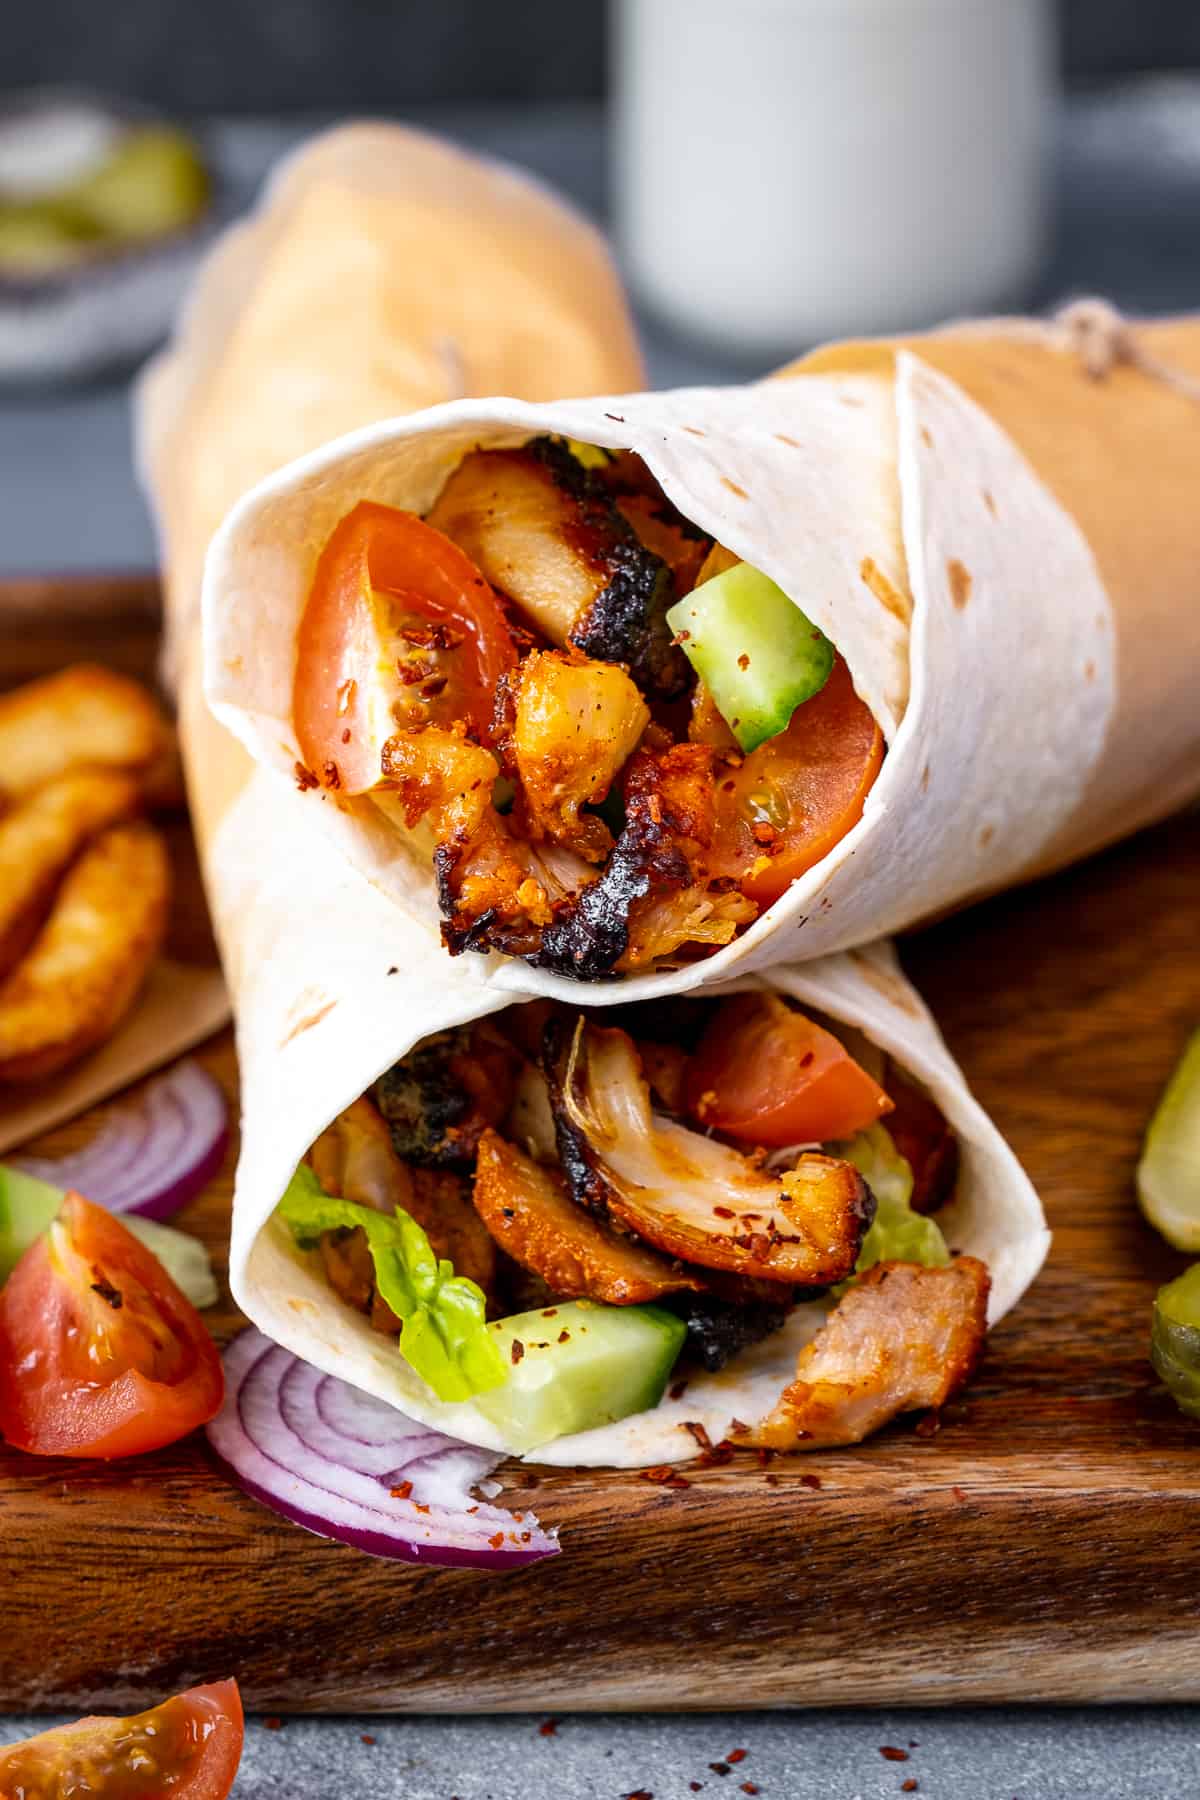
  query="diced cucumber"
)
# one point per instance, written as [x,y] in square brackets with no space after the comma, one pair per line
[755,651]
[579,1364]
[1175,1339]
[1168,1176]
[27,1206]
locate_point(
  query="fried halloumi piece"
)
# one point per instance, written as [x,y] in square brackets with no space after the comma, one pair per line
[902,1337]
[85,716]
[576,724]
[41,837]
[90,958]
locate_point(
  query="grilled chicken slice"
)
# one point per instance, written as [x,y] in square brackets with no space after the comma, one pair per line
[902,1337]
[438,1099]
[548,534]
[575,725]
[688,1195]
[530,1214]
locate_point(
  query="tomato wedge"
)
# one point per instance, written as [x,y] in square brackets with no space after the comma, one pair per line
[798,794]
[100,1353]
[188,1748]
[766,1074]
[400,628]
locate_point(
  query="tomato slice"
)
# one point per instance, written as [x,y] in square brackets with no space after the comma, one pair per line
[798,794]
[188,1748]
[100,1353]
[400,628]
[766,1074]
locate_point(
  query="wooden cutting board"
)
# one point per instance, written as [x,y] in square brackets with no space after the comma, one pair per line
[1045,1545]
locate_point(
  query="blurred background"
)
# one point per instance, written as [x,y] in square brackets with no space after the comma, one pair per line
[774,171]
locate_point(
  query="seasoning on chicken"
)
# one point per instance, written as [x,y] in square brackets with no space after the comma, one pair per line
[529,1212]
[575,725]
[688,1195]
[901,1337]
[547,533]
[439,1099]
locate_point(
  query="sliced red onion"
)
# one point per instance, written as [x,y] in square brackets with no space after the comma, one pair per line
[330,1458]
[153,1152]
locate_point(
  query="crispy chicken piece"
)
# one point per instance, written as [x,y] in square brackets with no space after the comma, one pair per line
[438,773]
[353,1159]
[529,1212]
[576,724]
[661,924]
[83,716]
[547,533]
[89,960]
[441,1204]
[688,1195]
[439,1098]
[902,1337]
[40,838]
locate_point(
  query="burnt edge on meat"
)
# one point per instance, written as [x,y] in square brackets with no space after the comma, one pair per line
[718,1329]
[627,621]
[422,1103]
[585,1183]
[588,939]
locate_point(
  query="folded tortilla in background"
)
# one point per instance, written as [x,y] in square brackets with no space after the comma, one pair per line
[331,982]
[999,545]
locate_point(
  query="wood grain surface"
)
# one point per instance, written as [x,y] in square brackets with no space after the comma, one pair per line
[1043,1545]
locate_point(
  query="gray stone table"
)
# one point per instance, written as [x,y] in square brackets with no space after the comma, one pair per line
[1128,186]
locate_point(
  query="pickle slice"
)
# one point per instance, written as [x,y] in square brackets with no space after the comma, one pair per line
[1168,1176]
[1175,1339]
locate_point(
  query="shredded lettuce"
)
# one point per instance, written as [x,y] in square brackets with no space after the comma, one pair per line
[897,1233]
[445,1336]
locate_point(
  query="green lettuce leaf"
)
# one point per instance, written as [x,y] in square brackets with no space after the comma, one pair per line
[445,1337]
[897,1233]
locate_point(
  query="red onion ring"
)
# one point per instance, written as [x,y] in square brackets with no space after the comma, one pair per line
[153,1152]
[329,1457]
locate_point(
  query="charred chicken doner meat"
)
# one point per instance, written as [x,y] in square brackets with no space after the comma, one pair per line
[615,743]
[670,1185]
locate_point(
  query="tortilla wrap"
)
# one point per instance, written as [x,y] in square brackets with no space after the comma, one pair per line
[331,982]
[329,993]
[999,544]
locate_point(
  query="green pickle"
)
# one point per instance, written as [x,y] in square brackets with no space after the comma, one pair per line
[1168,1175]
[1175,1339]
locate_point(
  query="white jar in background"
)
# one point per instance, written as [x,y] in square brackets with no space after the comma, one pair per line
[790,170]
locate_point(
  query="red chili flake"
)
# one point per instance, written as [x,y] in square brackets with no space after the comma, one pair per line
[771,1480]
[893,1753]
[366,1738]
[305,778]
[724,1212]
[928,1425]
[959,1493]
[517,1351]
[639,1794]
[551,1312]
[564,1336]
[810,1481]
[496,1540]
[419,1507]
[395,969]
[332,774]
[664,1476]
[699,1433]
[402,1492]
[737,1756]
[738,1427]
[749,1787]
[717,1457]
[910,1786]
[743,661]
[678,1390]
[697,1787]
[273,1724]
[548,1728]
[719,1768]
[472,1509]
[765,1457]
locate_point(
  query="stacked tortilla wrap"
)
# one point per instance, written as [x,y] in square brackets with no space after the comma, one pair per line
[997,542]
[332,980]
